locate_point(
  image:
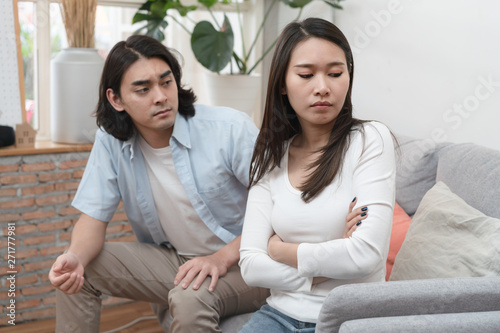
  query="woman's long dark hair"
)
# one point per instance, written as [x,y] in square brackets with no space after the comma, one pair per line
[118,61]
[280,121]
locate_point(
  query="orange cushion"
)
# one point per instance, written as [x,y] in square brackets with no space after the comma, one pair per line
[400,224]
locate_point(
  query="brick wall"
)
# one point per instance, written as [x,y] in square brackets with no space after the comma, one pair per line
[35,210]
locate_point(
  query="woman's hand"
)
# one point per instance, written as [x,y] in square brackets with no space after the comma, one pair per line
[354,218]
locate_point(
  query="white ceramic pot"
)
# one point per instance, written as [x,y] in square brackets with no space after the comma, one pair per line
[241,92]
[74,90]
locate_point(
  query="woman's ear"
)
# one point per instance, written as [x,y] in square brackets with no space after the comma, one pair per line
[283,91]
[114,100]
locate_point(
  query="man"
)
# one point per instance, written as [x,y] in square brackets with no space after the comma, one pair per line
[182,174]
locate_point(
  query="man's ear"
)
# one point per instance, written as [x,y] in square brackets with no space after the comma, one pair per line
[114,100]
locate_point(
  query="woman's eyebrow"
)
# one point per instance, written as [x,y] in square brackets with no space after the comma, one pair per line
[330,64]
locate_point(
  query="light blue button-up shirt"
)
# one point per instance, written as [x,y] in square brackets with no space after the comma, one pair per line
[212,152]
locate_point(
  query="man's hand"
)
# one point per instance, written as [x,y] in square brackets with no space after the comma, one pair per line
[354,218]
[201,267]
[87,239]
[214,265]
[66,274]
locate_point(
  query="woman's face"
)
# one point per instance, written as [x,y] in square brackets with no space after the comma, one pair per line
[317,81]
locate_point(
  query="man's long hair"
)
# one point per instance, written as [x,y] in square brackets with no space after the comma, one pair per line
[119,60]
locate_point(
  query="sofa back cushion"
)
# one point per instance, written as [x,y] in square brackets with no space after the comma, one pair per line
[473,173]
[416,170]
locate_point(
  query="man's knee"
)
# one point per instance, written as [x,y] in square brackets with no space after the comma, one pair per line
[190,299]
[194,310]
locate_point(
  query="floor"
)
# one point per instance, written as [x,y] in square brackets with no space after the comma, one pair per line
[111,319]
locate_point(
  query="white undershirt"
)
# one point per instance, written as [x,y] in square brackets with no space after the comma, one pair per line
[184,228]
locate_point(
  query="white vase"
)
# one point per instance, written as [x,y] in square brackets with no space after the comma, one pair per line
[241,92]
[74,90]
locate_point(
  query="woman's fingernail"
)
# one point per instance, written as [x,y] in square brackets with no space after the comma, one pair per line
[353,199]
[357,224]
[364,209]
[364,214]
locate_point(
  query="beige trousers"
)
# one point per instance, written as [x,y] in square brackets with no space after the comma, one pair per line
[146,272]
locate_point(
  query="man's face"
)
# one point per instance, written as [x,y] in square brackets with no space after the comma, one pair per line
[149,94]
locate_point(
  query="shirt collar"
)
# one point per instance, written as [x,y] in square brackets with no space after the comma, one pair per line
[181,131]
[130,144]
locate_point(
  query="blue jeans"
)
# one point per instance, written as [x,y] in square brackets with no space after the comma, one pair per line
[270,320]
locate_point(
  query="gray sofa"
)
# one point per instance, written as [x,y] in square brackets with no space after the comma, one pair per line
[443,298]
[462,295]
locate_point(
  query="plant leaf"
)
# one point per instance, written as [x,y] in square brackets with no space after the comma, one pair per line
[183,10]
[334,3]
[208,3]
[154,29]
[146,5]
[296,3]
[154,12]
[138,17]
[212,48]
[159,8]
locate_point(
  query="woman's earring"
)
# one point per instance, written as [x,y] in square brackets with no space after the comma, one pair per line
[283,91]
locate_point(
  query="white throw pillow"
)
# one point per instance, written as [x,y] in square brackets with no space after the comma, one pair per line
[448,238]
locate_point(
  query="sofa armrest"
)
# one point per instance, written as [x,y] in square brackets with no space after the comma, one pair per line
[484,322]
[406,298]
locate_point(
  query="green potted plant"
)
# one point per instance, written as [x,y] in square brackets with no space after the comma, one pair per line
[213,42]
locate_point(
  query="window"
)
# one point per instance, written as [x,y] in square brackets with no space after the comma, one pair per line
[42,30]
[43,36]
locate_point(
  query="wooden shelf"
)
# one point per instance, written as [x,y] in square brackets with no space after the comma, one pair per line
[45,147]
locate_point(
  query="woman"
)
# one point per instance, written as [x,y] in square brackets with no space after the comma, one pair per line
[311,158]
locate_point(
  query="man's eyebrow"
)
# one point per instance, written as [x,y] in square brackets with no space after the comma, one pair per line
[167,73]
[140,82]
[145,82]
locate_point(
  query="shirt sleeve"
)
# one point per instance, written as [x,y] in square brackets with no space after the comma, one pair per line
[373,183]
[242,142]
[254,258]
[98,194]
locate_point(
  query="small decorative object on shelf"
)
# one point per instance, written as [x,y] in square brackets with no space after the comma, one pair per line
[25,136]
[7,136]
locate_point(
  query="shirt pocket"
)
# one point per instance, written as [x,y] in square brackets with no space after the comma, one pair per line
[227,203]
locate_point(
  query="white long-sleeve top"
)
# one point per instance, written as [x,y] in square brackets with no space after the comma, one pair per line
[274,206]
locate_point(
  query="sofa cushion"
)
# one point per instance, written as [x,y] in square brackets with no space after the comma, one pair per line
[484,322]
[448,238]
[473,173]
[400,224]
[416,170]
[407,298]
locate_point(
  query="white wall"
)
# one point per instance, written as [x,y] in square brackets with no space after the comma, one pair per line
[427,68]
